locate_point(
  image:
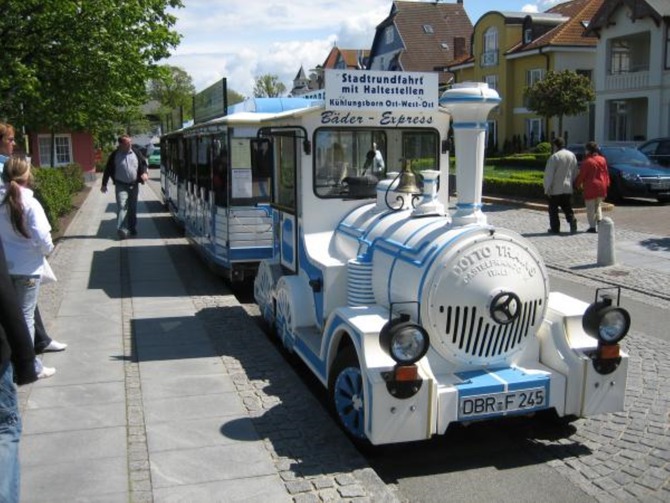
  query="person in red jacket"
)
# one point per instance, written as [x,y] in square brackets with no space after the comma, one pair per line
[594,179]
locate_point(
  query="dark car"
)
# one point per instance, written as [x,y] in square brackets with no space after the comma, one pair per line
[633,174]
[657,150]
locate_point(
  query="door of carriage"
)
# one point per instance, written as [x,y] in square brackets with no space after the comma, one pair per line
[285,199]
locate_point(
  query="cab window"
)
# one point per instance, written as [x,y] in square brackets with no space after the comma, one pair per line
[344,159]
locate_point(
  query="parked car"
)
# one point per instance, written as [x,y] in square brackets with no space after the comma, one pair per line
[633,174]
[657,150]
[155,158]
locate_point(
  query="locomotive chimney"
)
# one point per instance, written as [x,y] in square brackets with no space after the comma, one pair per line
[469,104]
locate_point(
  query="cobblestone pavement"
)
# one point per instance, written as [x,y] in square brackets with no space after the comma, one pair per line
[628,455]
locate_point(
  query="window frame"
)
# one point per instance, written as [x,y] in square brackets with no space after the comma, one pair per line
[45,157]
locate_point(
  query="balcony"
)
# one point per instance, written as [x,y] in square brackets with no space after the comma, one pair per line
[627,81]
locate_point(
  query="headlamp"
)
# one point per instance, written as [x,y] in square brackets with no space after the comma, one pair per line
[607,323]
[404,341]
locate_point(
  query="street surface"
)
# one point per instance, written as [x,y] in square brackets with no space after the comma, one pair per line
[613,457]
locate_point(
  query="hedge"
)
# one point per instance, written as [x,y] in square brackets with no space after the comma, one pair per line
[54,188]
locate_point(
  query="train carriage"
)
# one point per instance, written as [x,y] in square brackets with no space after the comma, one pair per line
[414,318]
[215,180]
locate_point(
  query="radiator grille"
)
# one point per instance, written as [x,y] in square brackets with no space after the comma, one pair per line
[472,332]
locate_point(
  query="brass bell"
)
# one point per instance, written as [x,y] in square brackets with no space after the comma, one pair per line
[407,182]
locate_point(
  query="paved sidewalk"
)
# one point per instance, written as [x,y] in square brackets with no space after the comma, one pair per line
[167,392]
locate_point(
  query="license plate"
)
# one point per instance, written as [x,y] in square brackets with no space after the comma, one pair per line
[494,404]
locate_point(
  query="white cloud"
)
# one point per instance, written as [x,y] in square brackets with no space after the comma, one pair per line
[241,39]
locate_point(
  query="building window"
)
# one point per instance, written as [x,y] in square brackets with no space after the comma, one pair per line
[490,55]
[427,28]
[620,57]
[534,132]
[667,47]
[492,81]
[533,76]
[629,54]
[618,121]
[527,36]
[388,33]
[63,149]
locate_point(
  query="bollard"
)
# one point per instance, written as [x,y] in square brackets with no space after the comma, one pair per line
[606,242]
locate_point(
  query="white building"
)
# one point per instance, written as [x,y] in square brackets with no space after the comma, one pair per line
[632,75]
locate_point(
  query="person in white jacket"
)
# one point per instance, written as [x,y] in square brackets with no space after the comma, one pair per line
[559,178]
[26,240]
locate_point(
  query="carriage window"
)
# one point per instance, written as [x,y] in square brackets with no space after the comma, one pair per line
[220,169]
[192,162]
[203,173]
[285,182]
[348,163]
[249,175]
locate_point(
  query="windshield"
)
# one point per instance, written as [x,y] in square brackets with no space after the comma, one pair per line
[625,155]
[349,163]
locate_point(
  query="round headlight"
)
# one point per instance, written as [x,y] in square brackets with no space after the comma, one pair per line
[404,341]
[614,325]
[609,324]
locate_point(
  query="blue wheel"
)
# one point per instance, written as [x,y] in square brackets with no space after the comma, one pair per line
[346,394]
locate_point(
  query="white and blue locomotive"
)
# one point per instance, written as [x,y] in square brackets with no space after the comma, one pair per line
[414,318]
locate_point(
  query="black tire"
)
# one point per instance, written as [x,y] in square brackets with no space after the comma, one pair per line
[614,194]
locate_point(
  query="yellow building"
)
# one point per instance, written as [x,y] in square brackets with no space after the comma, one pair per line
[513,50]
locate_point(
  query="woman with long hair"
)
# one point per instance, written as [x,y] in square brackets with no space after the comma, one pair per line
[26,240]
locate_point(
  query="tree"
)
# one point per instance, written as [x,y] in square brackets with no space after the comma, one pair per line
[268,86]
[560,94]
[81,65]
[233,97]
[172,89]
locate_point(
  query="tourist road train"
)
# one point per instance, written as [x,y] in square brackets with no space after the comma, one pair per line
[412,316]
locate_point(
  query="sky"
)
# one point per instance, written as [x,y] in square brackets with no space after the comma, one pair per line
[243,39]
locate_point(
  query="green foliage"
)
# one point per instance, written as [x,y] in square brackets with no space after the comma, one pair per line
[81,65]
[233,97]
[516,187]
[543,148]
[268,86]
[173,88]
[54,188]
[559,94]
[521,161]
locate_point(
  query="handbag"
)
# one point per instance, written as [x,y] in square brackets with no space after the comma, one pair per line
[48,275]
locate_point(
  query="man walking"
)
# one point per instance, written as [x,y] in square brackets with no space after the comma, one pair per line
[559,177]
[127,168]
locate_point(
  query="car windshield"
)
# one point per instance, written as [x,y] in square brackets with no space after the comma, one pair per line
[625,155]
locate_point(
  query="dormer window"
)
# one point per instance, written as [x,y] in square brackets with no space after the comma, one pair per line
[388,33]
[428,28]
[527,36]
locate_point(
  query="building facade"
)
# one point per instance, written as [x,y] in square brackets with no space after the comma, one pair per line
[511,51]
[632,73]
[421,37]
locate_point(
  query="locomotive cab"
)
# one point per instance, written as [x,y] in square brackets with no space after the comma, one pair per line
[414,318]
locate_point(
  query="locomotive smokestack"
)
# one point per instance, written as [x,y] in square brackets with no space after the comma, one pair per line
[469,104]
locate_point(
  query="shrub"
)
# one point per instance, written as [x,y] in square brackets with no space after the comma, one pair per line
[543,148]
[54,188]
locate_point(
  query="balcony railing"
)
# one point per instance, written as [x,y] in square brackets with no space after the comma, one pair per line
[627,81]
